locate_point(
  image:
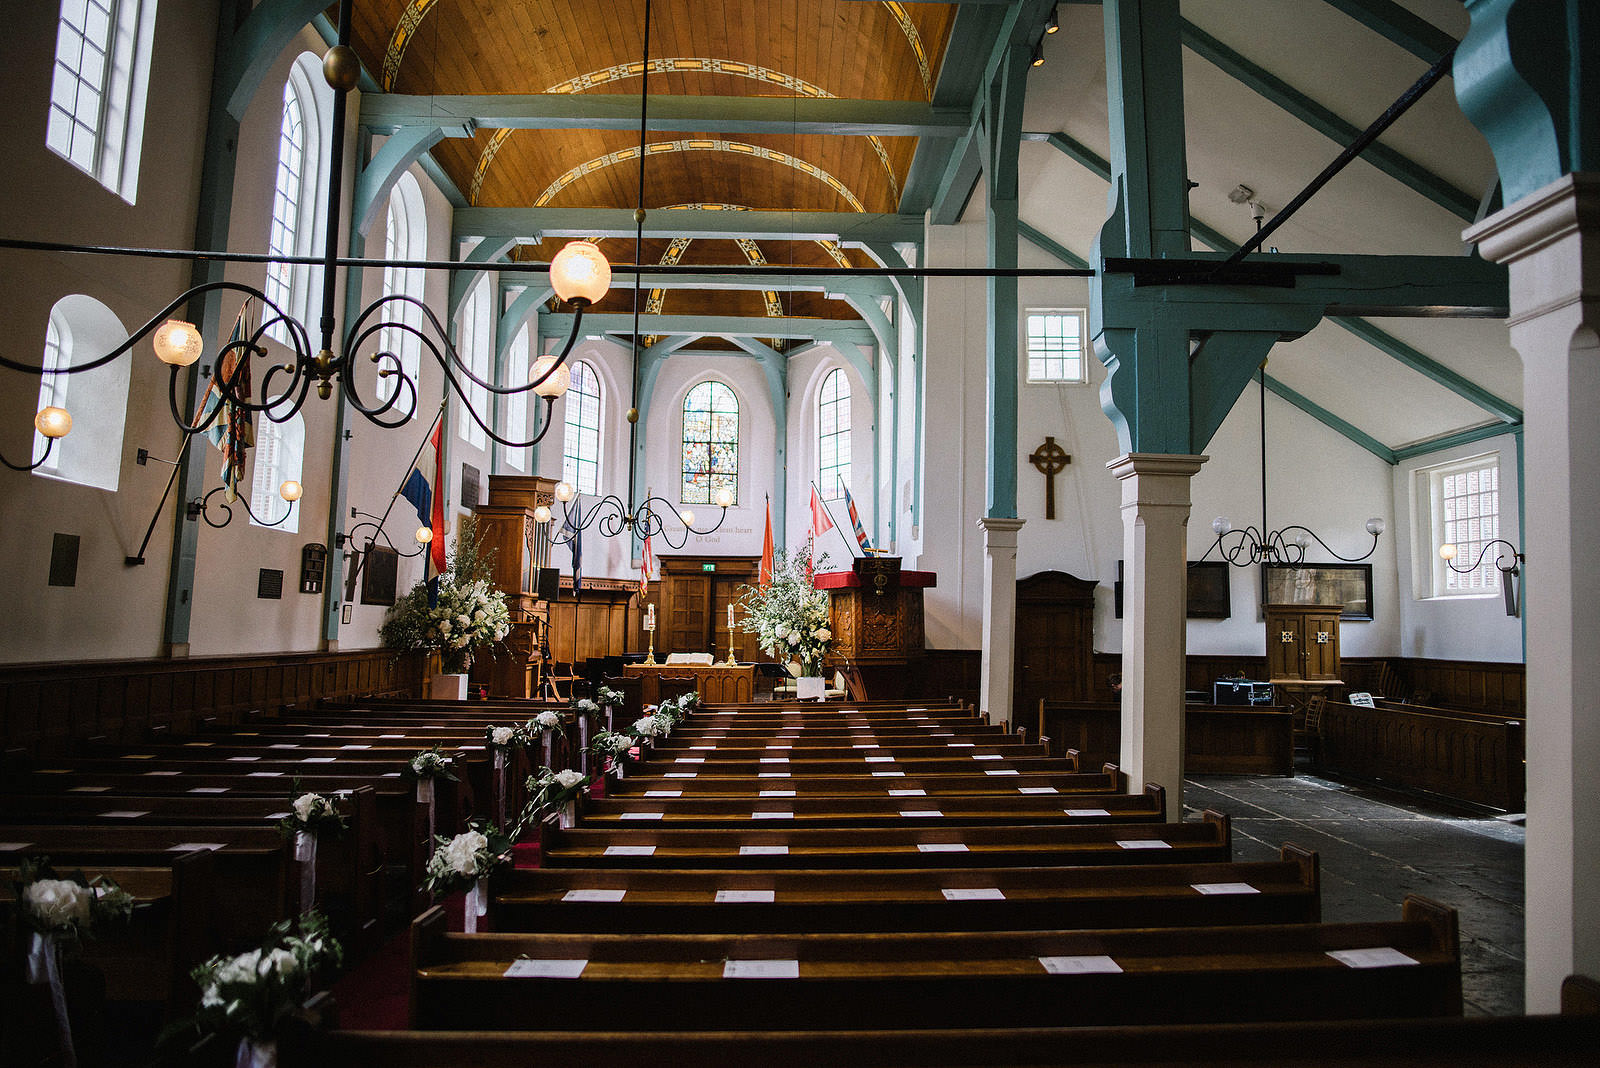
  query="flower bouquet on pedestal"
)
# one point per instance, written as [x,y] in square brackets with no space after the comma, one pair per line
[549,789]
[454,615]
[789,615]
[310,815]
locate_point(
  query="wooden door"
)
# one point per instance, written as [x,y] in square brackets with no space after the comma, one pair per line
[1055,641]
[695,594]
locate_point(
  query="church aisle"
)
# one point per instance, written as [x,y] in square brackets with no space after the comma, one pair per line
[1375,847]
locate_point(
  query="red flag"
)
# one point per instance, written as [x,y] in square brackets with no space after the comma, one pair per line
[764,576]
[646,562]
[424,488]
[820,523]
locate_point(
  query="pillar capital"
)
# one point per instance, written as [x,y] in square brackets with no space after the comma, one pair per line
[1130,464]
[999,531]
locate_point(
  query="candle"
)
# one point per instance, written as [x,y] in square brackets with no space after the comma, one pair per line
[730,617]
[649,617]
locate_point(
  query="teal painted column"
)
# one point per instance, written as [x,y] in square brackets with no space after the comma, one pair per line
[776,369]
[1002,142]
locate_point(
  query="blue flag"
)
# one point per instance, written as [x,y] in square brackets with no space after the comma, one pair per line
[855,519]
[574,532]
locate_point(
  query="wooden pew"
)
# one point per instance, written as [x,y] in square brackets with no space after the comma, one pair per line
[939,979]
[865,900]
[1466,756]
[915,842]
[1219,740]
[863,810]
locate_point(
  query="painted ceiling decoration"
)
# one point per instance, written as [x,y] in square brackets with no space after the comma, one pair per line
[698,144]
[681,65]
[404,30]
[914,39]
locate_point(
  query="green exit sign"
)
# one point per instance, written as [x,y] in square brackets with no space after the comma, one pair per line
[708,567]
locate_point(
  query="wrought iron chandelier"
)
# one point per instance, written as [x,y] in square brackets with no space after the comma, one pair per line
[1286,545]
[1507,561]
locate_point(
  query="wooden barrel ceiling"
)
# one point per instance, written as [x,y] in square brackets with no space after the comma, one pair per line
[849,49]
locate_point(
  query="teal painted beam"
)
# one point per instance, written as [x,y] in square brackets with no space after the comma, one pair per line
[962,170]
[776,371]
[532,224]
[1403,169]
[1002,130]
[1459,437]
[339,463]
[1149,160]
[261,37]
[486,251]
[1333,422]
[1220,368]
[378,177]
[1431,368]
[785,115]
[729,326]
[517,311]
[650,361]
[1049,244]
[744,278]
[1415,34]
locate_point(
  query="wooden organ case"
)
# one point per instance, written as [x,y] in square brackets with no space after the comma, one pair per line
[521,548]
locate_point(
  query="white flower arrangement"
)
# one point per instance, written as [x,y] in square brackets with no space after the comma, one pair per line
[431,764]
[609,698]
[584,706]
[548,789]
[67,908]
[611,744]
[544,721]
[647,727]
[313,814]
[252,995]
[789,617]
[461,861]
[509,737]
[466,612]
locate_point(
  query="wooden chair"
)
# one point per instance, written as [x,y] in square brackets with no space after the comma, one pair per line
[561,673]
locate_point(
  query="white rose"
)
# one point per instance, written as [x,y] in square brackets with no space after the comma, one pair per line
[463,620]
[568,779]
[477,617]
[241,969]
[822,634]
[780,631]
[647,727]
[444,626]
[57,902]
[794,638]
[501,735]
[499,633]
[303,806]
[280,961]
[547,719]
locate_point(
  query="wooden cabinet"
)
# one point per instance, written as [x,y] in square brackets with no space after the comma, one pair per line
[1303,642]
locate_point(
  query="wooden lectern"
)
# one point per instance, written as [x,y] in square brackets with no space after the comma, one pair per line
[876,617]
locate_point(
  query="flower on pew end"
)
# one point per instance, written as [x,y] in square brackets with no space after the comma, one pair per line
[544,721]
[252,995]
[584,706]
[609,698]
[548,789]
[646,727]
[431,764]
[612,744]
[471,855]
[312,813]
[67,907]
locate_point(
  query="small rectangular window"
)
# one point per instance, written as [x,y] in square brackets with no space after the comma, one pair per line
[1462,503]
[1055,344]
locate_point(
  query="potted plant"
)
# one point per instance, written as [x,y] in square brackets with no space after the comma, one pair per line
[452,615]
[789,617]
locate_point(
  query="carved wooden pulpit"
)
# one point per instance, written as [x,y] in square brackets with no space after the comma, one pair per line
[521,547]
[876,618]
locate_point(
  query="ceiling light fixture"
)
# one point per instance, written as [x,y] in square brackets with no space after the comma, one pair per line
[1287,545]
[610,515]
[1053,23]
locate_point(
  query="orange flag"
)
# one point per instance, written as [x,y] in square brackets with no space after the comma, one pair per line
[764,577]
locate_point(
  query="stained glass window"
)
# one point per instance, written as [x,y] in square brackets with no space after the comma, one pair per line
[580,456]
[833,436]
[710,443]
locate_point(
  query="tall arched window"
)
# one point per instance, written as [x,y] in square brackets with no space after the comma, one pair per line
[97,90]
[833,435]
[97,400]
[710,443]
[472,342]
[515,405]
[580,456]
[279,456]
[405,238]
[288,199]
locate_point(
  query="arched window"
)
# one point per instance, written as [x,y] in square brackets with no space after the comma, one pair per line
[81,328]
[279,454]
[833,435]
[97,90]
[580,457]
[296,199]
[710,443]
[515,405]
[405,238]
[472,342]
[287,200]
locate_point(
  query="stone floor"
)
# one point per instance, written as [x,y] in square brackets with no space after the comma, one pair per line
[1375,848]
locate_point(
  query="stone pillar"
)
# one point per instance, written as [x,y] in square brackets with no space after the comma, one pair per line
[999,616]
[1155,548]
[1551,240]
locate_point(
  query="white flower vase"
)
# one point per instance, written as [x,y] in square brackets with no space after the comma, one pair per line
[809,688]
[569,815]
[448,688]
[253,1054]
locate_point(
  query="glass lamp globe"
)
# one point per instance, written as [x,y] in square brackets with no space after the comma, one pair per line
[687,516]
[1220,525]
[580,272]
[541,514]
[1447,551]
[176,342]
[1303,540]
[565,492]
[52,422]
[724,497]
[1375,526]
[424,535]
[291,491]
[560,378]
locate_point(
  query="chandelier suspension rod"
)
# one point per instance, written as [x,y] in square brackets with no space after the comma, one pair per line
[335,181]
[1262,372]
[638,258]
[537,266]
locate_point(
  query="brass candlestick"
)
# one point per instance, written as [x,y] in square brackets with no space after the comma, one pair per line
[650,658]
[732,661]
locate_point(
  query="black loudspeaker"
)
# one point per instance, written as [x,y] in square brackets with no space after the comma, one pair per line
[549,586]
